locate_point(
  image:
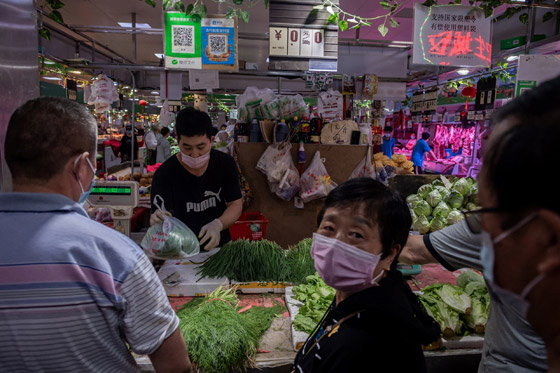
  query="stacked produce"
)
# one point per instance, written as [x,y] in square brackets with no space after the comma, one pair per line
[266,261]
[459,309]
[398,162]
[440,203]
[316,297]
[246,261]
[219,337]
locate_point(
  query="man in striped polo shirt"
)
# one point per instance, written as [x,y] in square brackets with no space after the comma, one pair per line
[75,296]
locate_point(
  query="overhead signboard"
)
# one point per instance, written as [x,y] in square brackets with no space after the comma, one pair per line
[451,35]
[296,42]
[182,41]
[219,43]
[532,70]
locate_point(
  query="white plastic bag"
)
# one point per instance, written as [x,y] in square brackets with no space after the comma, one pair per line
[166,117]
[171,239]
[365,168]
[315,182]
[289,183]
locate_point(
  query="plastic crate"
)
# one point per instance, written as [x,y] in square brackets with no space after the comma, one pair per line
[251,226]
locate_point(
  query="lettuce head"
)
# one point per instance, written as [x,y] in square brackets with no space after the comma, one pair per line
[454,216]
[433,198]
[438,223]
[421,224]
[454,199]
[422,208]
[462,186]
[442,209]
[413,199]
[424,190]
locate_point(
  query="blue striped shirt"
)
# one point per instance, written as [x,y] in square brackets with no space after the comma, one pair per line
[73,293]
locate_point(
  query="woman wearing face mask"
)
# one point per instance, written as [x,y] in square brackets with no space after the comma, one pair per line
[520,216]
[200,185]
[126,145]
[375,319]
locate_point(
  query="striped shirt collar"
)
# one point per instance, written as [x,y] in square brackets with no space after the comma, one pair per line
[38,202]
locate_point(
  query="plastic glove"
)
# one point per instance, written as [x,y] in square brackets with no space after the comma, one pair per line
[211,233]
[157,217]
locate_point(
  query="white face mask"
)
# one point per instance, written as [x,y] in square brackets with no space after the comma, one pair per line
[517,301]
[195,163]
[85,193]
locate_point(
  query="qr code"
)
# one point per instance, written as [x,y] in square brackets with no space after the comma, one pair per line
[218,44]
[182,37]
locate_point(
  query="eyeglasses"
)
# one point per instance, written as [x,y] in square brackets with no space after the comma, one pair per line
[474,218]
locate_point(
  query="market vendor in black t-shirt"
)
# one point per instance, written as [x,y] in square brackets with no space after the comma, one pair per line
[199,185]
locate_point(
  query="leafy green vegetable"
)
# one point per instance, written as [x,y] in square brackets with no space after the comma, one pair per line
[469,276]
[413,199]
[422,208]
[424,190]
[448,320]
[299,262]
[455,298]
[462,186]
[478,317]
[316,297]
[437,223]
[454,216]
[422,225]
[437,182]
[433,198]
[454,199]
[471,206]
[170,240]
[442,209]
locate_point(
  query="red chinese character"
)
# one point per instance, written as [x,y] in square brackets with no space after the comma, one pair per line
[440,43]
[484,49]
[461,44]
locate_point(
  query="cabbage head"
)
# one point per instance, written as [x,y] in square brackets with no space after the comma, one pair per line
[421,225]
[424,190]
[438,223]
[454,216]
[437,182]
[454,199]
[443,191]
[422,208]
[413,199]
[433,198]
[413,216]
[471,206]
[462,186]
[442,209]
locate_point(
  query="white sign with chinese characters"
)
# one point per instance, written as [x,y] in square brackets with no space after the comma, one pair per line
[296,42]
[451,35]
[278,41]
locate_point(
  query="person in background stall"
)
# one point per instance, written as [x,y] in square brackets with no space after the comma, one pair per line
[419,151]
[125,146]
[200,185]
[410,144]
[388,141]
[75,295]
[164,147]
[375,320]
[151,141]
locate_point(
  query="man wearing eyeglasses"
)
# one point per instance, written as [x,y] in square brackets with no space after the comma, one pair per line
[515,238]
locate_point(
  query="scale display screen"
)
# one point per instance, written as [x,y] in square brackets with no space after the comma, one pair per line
[115,191]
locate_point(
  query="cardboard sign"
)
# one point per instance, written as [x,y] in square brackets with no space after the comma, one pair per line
[339,132]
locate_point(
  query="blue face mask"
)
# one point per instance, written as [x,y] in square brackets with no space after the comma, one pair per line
[516,301]
[85,193]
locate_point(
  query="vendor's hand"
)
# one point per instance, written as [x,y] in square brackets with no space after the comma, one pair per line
[157,217]
[211,233]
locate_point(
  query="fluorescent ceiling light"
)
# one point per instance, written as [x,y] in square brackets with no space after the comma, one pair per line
[51,78]
[49,62]
[138,25]
[463,71]
[75,71]
[155,93]
[512,58]
[159,55]
[126,87]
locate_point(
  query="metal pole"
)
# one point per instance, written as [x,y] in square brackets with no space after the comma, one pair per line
[134,38]
[530,28]
[133,125]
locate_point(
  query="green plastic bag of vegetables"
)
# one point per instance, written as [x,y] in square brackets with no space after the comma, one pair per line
[171,239]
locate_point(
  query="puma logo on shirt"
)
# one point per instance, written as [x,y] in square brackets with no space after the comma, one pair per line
[207,203]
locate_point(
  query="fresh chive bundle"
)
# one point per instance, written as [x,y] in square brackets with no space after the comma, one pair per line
[219,338]
[299,262]
[246,261]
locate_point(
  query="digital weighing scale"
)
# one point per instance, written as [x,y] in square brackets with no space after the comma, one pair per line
[120,197]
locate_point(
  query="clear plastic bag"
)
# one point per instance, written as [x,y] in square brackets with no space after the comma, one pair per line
[315,182]
[278,166]
[289,183]
[171,239]
[365,168]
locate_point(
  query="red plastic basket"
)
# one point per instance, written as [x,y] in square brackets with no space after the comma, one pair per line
[251,225]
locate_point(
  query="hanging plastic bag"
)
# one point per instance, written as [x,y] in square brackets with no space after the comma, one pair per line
[365,168]
[166,117]
[289,183]
[315,182]
[171,239]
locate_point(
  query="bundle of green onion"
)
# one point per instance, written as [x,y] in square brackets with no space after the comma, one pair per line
[299,262]
[246,261]
[219,338]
